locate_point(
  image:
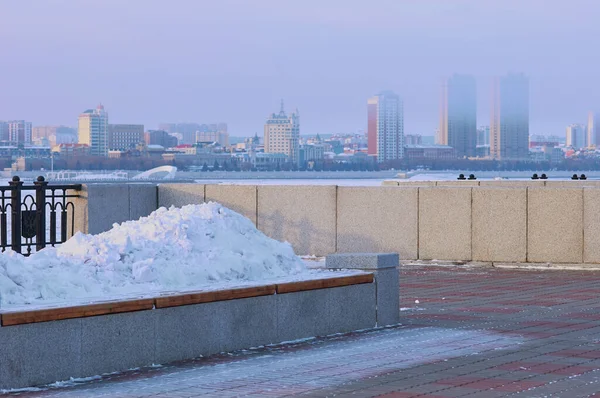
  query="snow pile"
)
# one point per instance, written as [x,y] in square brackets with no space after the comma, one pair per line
[174,249]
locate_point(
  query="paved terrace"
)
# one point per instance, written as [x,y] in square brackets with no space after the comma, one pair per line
[480,332]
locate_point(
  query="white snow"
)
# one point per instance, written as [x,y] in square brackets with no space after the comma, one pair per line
[190,248]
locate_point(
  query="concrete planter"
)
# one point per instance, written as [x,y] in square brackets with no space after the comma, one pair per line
[44,346]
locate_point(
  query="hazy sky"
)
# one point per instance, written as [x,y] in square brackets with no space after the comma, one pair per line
[149,61]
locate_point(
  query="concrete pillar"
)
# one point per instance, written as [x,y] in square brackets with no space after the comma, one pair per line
[387,289]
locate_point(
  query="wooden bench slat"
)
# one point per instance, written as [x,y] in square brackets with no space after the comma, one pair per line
[217,295]
[80,311]
[300,286]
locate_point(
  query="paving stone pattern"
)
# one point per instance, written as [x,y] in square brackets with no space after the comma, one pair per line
[475,332]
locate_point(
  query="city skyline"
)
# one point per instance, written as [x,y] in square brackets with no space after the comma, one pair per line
[146,71]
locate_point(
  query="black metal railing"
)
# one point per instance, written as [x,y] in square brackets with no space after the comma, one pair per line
[30,209]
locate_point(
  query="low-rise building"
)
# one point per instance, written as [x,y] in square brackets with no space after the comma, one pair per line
[311,153]
[482,151]
[11,151]
[55,134]
[413,139]
[557,155]
[435,152]
[160,137]
[222,137]
[123,137]
[72,149]
[268,161]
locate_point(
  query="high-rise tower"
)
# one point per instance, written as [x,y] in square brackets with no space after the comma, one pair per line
[385,134]
[509,128]
[93,130]
[593,129]
[458,115]
[282,134]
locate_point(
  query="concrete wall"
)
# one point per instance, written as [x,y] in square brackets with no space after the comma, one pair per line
[495,183]
[41,353]
[591,225]
[180,194]
[239,198]
[555,225]
[495,221]
[101,205]
[305,216]
[499,226]
[445,223]
[378,219]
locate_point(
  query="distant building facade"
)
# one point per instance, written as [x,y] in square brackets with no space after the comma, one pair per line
[160,137]
[431,152]
[509,127]
[544,143]
[577,136]
[19,132]
[72,149]
[282,135]
[311,153]
[123,137]
[3,131]
[195,132]
[372,126]
[385,135]
[557,155]
[593,129]
[483,151]
[170,128]
[222,137]
[93,130]
[483,135]
[413,139]
[458,115]
[268,161]
[55,134]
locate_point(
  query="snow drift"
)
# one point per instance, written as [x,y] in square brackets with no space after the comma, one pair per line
[171,249]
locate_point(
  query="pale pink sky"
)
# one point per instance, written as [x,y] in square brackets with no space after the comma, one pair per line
[232,60]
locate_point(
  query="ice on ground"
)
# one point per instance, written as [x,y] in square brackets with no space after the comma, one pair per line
[306,368]
[172,249]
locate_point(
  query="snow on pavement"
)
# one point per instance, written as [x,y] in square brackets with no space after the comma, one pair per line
[307,366]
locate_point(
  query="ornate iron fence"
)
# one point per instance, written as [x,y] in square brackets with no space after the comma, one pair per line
[39,215]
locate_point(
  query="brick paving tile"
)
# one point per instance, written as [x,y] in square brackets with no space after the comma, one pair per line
[476,332]
[409,395]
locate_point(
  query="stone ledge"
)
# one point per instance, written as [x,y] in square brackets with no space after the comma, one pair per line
[484,264]
[362,260]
